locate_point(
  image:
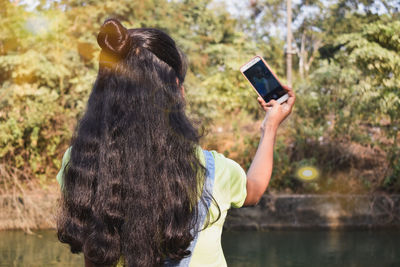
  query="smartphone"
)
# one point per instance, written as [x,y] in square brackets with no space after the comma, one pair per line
[263,80]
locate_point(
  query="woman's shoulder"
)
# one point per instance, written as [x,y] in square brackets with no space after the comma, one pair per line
[219,158]
[230,178]
[65,160]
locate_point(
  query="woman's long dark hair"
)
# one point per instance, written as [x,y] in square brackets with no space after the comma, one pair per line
[133,181]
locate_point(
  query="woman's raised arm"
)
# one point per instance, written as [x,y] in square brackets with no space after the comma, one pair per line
[259,173]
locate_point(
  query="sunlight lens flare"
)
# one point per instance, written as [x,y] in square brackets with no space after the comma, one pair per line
[307,173]
[38,25]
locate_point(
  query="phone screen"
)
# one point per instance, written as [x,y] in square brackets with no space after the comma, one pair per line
[264,81]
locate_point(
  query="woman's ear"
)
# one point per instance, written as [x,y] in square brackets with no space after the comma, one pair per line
[181,87]
[183,91]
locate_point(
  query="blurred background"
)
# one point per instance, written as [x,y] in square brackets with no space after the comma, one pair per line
[342,58]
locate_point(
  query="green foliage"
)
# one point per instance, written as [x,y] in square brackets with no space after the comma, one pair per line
[349,89]
[48,63]
[355,90]
[283,171]
[44,84]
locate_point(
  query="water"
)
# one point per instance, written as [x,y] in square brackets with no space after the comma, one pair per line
[313,248]
[242,249]
[40,249]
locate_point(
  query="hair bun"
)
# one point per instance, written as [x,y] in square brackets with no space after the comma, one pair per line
[114,38]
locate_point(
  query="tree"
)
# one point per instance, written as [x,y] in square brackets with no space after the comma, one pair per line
[48,63]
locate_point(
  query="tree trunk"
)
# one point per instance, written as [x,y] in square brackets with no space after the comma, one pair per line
[302,55]
[289,43]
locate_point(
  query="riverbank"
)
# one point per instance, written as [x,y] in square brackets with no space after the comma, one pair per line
[29,210]
[37,210]
[335,211]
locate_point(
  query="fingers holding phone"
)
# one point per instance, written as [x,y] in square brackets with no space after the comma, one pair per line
[288,105]
[292,96]
[262,103]
[275,112]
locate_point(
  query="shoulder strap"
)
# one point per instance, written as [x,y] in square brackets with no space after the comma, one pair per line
[206,197]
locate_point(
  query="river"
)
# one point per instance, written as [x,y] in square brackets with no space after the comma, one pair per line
[254,249]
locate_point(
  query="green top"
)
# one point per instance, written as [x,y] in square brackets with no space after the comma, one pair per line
[229,191]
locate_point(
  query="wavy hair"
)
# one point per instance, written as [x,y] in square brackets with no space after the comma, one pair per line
[134,179]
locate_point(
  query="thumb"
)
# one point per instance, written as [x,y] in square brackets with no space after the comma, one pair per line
[272,104]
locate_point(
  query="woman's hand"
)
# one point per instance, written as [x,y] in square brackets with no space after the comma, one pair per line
[275,112]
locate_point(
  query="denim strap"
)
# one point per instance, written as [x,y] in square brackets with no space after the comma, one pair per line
[206,197]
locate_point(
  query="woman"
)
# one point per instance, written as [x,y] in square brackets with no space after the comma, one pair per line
[137,189]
